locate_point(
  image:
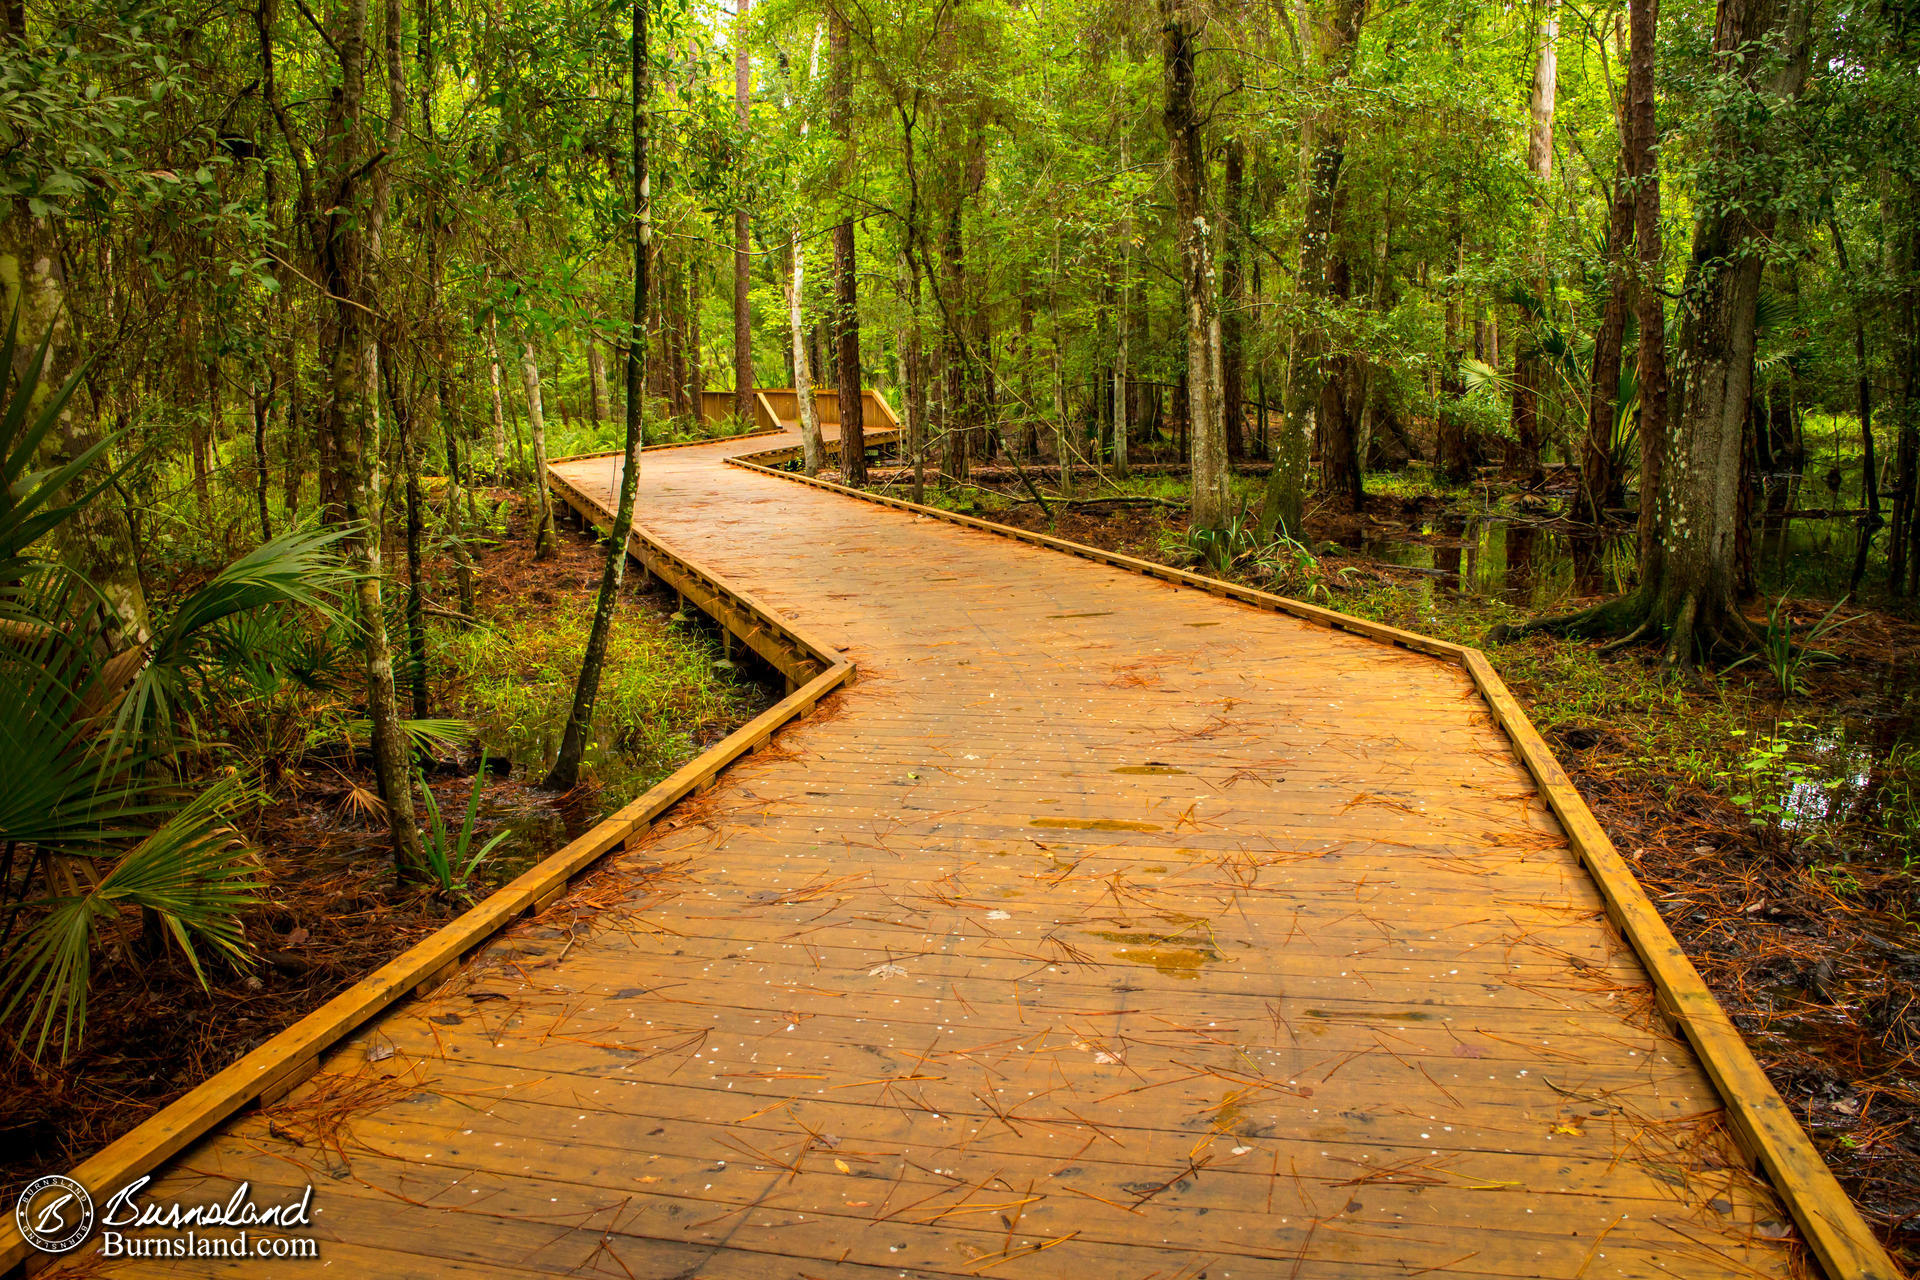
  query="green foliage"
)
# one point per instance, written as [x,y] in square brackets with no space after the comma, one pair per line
[1787,660]
[35,499]
[515,683]
[194,872]
[241,621]
[449,858]
[1766,776]
[84,727]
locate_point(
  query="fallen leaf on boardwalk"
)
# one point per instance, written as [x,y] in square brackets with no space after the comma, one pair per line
[887,971]
[843,1166]
[1571,1130]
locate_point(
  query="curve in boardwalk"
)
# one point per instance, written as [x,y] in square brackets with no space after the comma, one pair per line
[1103,928]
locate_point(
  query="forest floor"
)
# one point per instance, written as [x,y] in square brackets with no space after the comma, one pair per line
[1779,837]
[333,911]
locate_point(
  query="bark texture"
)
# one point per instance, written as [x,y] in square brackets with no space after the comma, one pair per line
[846,284]
[349,249]
[742,257]
[1179,31]
[1599,478]
[565,774]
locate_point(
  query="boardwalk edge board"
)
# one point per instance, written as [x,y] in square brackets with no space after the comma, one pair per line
[286,1060]
[1761,1121]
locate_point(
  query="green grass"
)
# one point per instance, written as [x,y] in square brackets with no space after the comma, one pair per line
[661,694]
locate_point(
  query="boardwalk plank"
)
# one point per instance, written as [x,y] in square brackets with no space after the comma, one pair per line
[1353,837]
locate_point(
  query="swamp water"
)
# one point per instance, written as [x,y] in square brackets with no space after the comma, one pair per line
[1855,767]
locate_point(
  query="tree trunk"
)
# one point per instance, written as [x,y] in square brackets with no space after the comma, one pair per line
[916,378]
[1870,520]
[1178,30]
[565,774]
[1903,534]
[742,259]
[1233,282]
[1062,433]
[1599,480]
[457,476]
[812,449]
[349,260]
[1451,454]
[205,435]
[1123,291]
[957,440]
[1528,373]
[674,326]
[545,539]
[846,284]
[1342,401]
[499,409]
[262,473]
[293,458]
[1698,585]
[596,378]
[98,541]
[687,303]
[404,425]
[1121,424]
[1690,593]
[1321,381]
[1643,133]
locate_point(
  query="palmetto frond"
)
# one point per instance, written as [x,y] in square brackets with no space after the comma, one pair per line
[63,786]
[32,504]
[194,872]
[1475,374]
[297,570]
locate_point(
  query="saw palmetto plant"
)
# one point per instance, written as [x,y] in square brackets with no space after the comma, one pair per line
[95,824]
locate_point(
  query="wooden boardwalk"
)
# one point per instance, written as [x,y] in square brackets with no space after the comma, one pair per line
[1101,929]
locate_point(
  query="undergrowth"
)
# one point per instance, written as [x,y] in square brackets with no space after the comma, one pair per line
[660,694]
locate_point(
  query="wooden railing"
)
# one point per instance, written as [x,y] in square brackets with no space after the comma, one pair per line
[780,406]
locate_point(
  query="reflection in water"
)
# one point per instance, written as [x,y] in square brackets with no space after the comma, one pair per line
[1543,566]
[1520,539]
[1588,550]
[1532,565]
[1857,770]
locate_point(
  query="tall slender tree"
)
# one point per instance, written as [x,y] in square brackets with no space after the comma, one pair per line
[1327,379]
[1233,278]
[1528,365]
[846,278]
[1599,480]
[742,250]
[812,450]
[1179,32]
[359,176]
[1650,311]
[565,774]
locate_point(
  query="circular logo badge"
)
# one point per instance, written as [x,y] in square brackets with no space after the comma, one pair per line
[55,1214]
